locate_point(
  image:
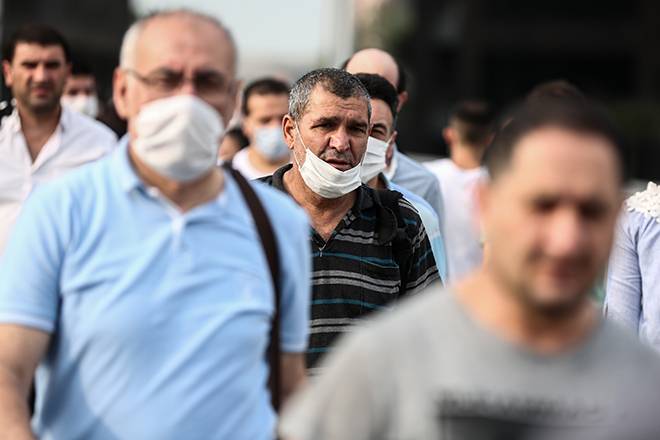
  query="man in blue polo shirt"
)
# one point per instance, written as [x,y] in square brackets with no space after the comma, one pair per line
[138,284]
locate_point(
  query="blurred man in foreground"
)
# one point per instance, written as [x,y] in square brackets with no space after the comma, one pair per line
[139,283]
[517,350]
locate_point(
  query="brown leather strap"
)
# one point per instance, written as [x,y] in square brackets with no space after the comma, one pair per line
[269,244]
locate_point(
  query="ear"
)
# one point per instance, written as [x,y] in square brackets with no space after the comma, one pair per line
[289,129]
[389,153]
[449,135]
[119,93]
[248,127]
[393,139]
[6,71]
[403,98]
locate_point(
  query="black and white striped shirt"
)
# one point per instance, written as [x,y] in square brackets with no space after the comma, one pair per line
[374,257]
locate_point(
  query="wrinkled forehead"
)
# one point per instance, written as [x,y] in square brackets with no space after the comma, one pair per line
[184,43]
[325,104]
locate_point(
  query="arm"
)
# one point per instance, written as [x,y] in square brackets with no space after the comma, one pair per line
[292,374]
[21,349]
[623,297]
[421,267]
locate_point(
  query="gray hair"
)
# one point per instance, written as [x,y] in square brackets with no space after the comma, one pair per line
[336,81]
[131,37]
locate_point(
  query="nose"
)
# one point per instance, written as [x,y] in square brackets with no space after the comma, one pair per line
[340,140]
[188,87]
[40,73]
[566,234]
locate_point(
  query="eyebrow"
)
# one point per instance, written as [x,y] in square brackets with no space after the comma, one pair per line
[326,120]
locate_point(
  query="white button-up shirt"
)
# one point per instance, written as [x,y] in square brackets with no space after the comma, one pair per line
[77,140]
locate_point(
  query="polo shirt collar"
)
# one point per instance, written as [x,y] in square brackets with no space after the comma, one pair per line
[127,177]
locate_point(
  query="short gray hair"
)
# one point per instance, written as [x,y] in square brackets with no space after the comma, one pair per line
[336,81]
[131,37]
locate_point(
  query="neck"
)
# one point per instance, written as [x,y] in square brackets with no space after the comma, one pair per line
[377,182]
[38,127]
[324,213]
[466,157]
[185,195]
[502,312]
[262,163]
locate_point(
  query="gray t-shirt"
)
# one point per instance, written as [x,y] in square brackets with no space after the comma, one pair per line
[429,371]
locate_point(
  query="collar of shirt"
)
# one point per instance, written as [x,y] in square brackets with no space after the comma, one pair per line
[384,219]
[128,178]
[14,120]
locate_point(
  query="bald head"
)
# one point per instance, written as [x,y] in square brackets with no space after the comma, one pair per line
[374,61]
[378,62]
[179,20]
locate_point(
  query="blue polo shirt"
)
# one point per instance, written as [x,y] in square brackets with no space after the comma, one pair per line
[159,320]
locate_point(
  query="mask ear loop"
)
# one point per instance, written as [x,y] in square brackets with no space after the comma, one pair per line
[303,144]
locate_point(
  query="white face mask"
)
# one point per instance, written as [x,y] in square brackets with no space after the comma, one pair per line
[324,179]
[85,104]
[178,136]
[270,143]
[394,163]
[374,159]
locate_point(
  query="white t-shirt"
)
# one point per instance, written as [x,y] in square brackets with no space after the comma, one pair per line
[78,139]
[242,163]
[461,227]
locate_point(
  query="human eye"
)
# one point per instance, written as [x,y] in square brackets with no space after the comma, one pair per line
[165,80]
[593,210]
[52,65]
[544,205]
[29,64]
[210,82]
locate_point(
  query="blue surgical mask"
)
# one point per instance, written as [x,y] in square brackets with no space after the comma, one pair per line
[269,141]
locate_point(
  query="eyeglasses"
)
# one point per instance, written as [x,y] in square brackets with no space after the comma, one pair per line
[207,83]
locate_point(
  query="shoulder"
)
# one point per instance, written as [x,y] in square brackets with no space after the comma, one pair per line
[411,166]
[646,202]
[437,165]
[412,318]
[84,127]
[285,213]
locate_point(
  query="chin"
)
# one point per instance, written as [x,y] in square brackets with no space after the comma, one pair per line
[557,300]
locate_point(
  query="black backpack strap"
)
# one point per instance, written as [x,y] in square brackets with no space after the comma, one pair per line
[269,244]
[403,235]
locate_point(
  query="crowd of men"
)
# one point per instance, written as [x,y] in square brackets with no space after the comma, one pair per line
[264,261]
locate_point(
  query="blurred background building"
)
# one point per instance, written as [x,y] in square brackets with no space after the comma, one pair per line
[452,49]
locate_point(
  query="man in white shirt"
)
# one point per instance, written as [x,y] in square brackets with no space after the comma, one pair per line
[40,139]
[265,102]
[467,135]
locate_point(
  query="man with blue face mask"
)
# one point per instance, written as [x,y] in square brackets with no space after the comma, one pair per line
[265,102]
[138,284]
[369,247]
